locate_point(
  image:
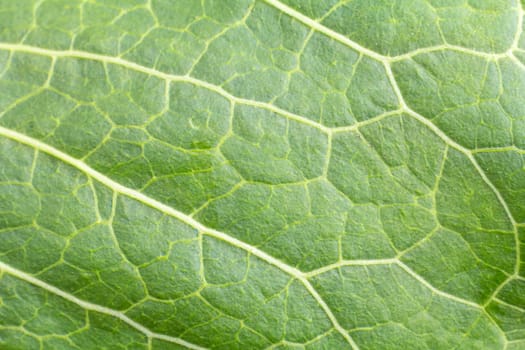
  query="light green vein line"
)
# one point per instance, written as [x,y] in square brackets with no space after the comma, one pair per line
[517,308]
[489,184]
[115,186]
[156,73]
[498,149]
[443,47]
[434,289]
[326,31]
[143,198]
[386,62]
[448,140]
[330,33]
[494,294]
[517,61]
[315,25]
[463,150]
[187,79]
[94,307]
[393,261]
[337,265]
[362,123]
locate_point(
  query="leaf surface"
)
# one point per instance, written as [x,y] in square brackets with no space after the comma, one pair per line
[290,174]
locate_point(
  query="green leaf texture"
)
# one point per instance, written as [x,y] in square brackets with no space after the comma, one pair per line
[279,174]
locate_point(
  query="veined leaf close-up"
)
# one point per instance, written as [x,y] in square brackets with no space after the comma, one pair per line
[277,174]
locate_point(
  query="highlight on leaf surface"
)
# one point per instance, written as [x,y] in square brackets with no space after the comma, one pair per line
[262,174]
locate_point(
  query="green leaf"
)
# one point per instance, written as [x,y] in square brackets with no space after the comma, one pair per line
[277,174]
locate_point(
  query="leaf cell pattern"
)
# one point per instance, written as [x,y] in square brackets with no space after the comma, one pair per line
[262,174]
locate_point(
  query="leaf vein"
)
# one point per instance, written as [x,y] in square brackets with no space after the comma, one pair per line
[94,307]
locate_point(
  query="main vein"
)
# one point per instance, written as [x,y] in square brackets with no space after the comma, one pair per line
[386,60]
[317,26]
[220,235]
[295,273]
[183,78]
[162,75]
[115,186]
[94,307]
